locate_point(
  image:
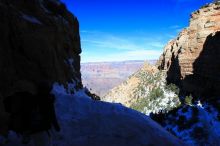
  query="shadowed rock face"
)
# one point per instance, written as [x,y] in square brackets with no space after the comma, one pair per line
[39,41]
[189,59]
[205,77]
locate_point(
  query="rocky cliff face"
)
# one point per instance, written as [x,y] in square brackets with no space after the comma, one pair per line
[191,59]
[39,42]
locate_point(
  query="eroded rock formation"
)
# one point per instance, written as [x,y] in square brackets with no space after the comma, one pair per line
[188,58]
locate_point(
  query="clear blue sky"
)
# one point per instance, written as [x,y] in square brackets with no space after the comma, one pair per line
[115,30]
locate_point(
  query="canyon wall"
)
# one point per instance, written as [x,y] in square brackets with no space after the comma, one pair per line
[191,60]
[39,42]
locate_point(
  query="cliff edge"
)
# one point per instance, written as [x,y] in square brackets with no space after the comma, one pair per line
[191,60]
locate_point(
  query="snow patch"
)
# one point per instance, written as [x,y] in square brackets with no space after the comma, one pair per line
[84,120]
[188,114]
[87,122]
[43,7]
[69,62]
[31,19]
[206,120]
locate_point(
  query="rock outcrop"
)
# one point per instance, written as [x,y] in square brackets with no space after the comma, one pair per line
[125,92]
[191,59]
[39,42]
[145,91]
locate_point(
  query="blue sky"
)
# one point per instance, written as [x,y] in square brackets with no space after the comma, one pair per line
[116,30]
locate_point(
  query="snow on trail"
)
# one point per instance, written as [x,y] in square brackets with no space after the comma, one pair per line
[85,122]
[88,122]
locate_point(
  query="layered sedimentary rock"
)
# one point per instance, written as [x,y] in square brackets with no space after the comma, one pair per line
[191,59]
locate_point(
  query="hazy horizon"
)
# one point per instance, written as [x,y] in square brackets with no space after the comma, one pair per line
[119,61]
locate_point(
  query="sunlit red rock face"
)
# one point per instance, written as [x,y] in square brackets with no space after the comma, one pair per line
[192,59]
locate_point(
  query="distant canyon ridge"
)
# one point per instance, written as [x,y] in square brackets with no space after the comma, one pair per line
[101,77]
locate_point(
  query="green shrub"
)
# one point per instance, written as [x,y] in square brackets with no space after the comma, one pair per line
[156,93]
[144,102]
[188,100]
[140,104]
[173,88]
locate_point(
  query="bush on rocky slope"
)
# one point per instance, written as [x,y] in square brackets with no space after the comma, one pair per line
[153,95]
